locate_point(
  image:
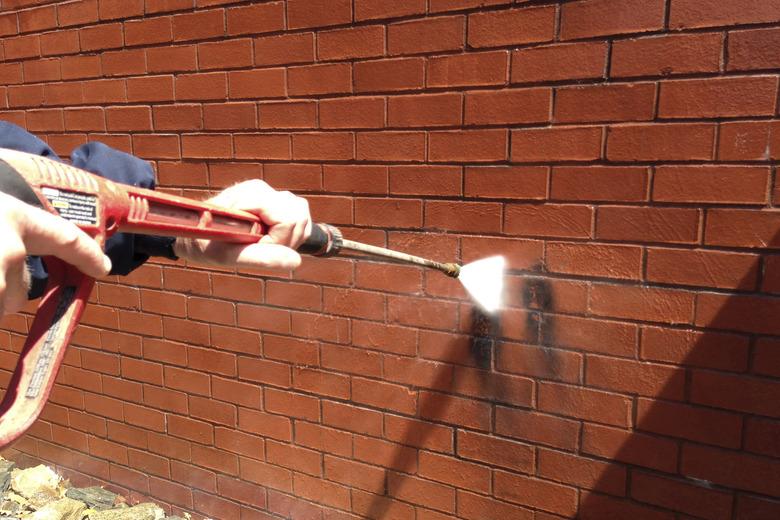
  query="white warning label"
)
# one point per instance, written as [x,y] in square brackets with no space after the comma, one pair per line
[79,208]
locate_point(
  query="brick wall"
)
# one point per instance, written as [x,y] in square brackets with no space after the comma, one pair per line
[620,153]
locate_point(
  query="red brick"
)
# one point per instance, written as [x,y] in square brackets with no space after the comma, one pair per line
[353,42]
[374,9]
[77,13]
[584,403]
[593,335]
[264,424]
[548,220]
[384,395]
[705,268]
[225,54]
[351,360]
[478,507]
[331,146]
[648,224]
[751,141]
[351,418]
[559,62]
[265,474]
[511,27]
[206,146]
[731,469]
[736,392]
[199,25]
[535,493]
[148,30]
[749,507]
[113,9]
[425,110]
[421,492]
[704,349]
[760,436]
[661,142]
[128,118]
[254,19]
[37,19]
[771,280]
[284,49]
[388,212]
[713,184]
[264,371]
[623,375]
[689,422]
[469,217]
[41,70]
[537,428]
[582,472]
[726,97]
[422,313]
[506,182]
[599,183]
[750,50]
[608,17]
[594,506]
[681,496]
[353,112]
[294,457]
[495,451]
[541,363]
[355,179]
[556,144]
[172,59]
[426,35]
[22,47]
[473,69]
[710,13]
[150,88]
[354,474]
[389,75]
[425,180]
[610,261]
[642,303]
[631,447]
[455,472]
[390,146]
[391,278]
[229,116]
[263,146]
[625,102]
[241,491]
[318,13]
[106,36]
[323,439]
[257,84]
[515,106]
[468,146]
[667,55]
[177,117]
[742,228]
[319,79]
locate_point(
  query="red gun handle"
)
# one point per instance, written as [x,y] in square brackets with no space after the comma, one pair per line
[55,321]
[157,213]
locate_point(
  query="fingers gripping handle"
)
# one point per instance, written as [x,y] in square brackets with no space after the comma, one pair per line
[55,321]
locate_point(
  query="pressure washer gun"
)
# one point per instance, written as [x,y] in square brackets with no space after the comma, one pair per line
[101,208]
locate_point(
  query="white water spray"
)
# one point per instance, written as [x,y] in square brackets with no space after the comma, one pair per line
[484,281]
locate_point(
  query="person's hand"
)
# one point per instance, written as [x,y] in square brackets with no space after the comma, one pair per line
[289,225]
[26,230]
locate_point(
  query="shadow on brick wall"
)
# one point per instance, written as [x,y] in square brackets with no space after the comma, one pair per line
[705,443]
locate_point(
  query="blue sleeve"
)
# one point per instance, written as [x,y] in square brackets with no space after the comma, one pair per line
[126,251]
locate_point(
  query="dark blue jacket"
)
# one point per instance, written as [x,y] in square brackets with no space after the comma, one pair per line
[126,251]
